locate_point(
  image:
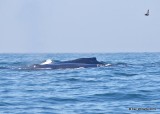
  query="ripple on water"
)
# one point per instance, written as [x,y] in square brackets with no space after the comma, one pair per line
[131,80]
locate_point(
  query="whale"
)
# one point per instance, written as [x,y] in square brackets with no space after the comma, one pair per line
[76,63]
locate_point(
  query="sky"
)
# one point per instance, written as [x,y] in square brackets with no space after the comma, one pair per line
[83,26]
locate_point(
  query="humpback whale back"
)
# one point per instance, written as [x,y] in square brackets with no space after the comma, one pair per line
[76,63]
[92,60]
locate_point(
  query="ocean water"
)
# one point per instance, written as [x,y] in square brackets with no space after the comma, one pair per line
[129,85]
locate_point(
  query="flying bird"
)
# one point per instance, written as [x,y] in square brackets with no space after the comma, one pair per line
[147,14]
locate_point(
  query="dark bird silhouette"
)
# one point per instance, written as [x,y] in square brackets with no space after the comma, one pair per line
[147,14]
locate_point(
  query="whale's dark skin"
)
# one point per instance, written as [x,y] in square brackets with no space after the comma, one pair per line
[77,63]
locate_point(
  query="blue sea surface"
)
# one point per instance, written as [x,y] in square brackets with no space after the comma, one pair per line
[129,85]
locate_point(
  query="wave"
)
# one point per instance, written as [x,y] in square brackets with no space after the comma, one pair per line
[125,74]
[121,64]
[120,96]
[152,64]
[1,67]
